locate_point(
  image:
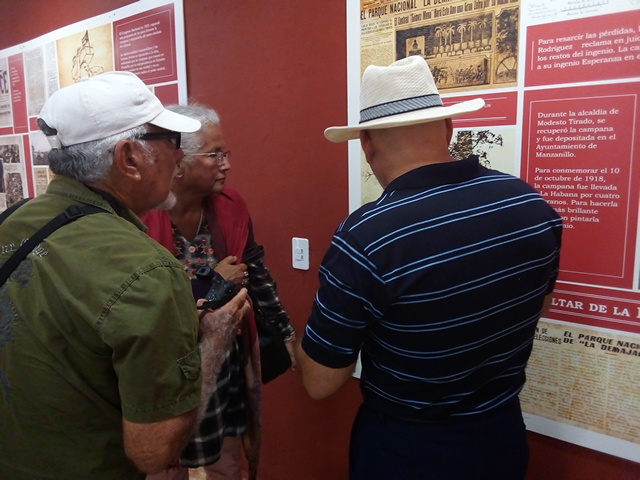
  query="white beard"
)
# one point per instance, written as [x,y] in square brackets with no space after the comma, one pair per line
[168,203]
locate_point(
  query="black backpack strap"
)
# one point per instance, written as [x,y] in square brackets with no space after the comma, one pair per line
[69,215]
[12,208]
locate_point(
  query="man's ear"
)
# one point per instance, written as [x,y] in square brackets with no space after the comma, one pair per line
[129,159]
[366,144]
[449,123]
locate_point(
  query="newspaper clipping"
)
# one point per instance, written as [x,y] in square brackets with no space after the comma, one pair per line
[468,43]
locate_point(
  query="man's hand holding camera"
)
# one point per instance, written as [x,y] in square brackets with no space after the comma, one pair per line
[217,329]
[223,322]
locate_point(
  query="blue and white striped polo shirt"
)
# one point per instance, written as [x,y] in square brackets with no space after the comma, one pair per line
[439,284]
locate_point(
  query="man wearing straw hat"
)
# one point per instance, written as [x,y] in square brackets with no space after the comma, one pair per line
[438,285]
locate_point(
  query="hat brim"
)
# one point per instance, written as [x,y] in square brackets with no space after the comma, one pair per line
[176,122]
[424,115]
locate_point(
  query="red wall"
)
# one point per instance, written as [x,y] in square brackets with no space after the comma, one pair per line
[276,73]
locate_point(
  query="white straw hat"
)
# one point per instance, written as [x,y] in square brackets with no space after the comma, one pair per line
[404,93]
[104,105]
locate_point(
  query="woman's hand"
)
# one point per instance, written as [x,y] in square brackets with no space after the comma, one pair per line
[234,273]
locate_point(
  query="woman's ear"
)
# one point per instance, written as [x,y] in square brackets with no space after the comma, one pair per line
[179,172]
[129,159]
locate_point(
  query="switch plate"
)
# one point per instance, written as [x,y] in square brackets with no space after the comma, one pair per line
[300,253]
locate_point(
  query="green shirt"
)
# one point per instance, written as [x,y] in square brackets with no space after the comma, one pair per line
[97,324]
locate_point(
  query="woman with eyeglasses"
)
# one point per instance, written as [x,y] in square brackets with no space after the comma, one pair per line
[210,226]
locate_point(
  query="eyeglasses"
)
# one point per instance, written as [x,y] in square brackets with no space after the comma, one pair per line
[175,137]
[219,157]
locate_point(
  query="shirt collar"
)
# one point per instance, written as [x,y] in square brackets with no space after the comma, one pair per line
[437,174]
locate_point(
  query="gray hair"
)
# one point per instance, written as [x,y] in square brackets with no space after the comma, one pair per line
[192,142]
[89,161]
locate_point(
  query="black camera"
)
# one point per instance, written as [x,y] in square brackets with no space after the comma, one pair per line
[221,290]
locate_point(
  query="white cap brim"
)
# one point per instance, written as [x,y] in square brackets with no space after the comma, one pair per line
[425,115]
[176,122]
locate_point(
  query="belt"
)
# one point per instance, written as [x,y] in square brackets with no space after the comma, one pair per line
[512,406]
[408,419]
[421,420]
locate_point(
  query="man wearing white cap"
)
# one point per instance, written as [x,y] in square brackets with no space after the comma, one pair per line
[102,375]
[438,285]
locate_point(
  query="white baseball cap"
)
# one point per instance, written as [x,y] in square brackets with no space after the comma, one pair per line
[105,105]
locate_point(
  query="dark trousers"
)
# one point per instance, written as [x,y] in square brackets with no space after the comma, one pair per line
[492,446]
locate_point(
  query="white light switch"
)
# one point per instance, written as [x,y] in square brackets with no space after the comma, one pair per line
[300,253]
